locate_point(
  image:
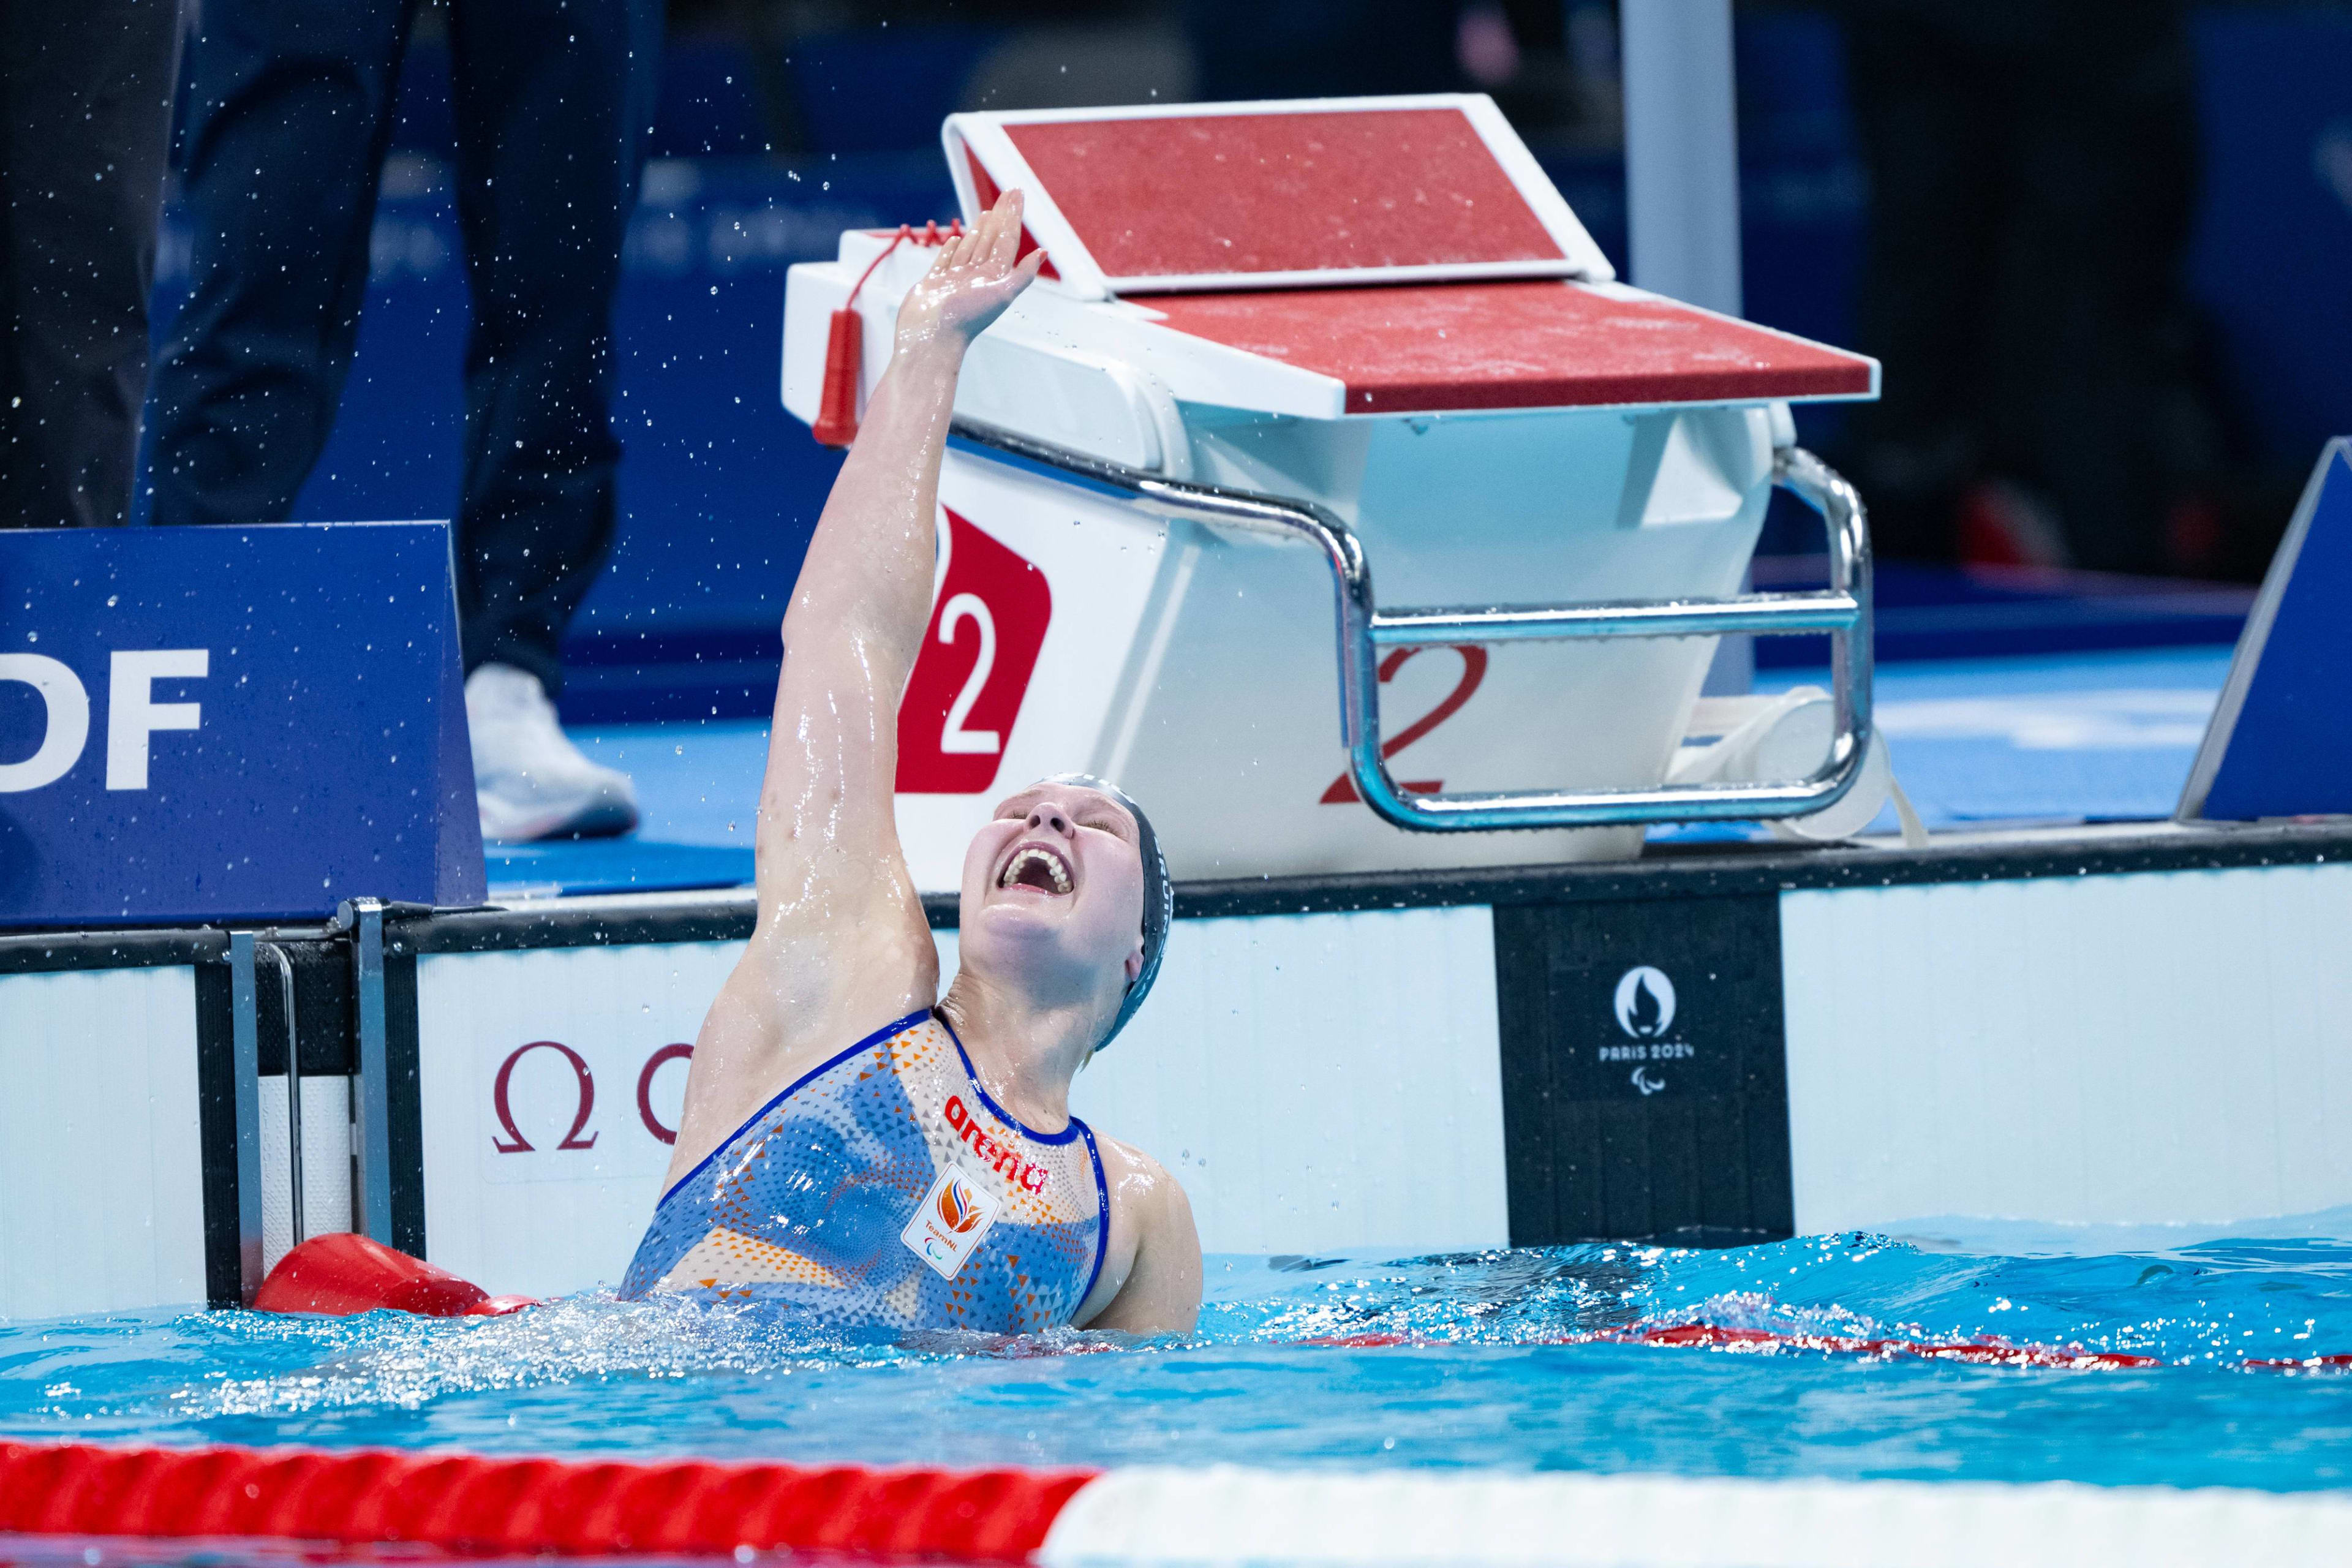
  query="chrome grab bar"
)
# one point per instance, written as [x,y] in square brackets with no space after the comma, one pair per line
[293,1091]
[1843,610]
[246,955]
[245,1087]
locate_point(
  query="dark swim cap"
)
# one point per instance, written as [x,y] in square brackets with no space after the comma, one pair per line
[1159,896]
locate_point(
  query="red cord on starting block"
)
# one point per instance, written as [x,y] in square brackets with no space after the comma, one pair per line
[845,342]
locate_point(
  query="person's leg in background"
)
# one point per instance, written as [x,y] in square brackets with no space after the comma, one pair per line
[553,99]
[85,130]
[289,112]
[1926,108]
[2097,406]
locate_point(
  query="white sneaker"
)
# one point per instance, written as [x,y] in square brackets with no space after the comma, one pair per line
[532,781]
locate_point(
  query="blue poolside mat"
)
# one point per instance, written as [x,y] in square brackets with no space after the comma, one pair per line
[698,787]
[2081,737]
[2066,738]
[629,865]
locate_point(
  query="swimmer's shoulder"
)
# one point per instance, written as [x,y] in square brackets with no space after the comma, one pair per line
[1152,1264]
[1135,1177]
[782,1014]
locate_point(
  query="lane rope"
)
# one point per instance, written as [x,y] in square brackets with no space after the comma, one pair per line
[1702,1335]
[465,1503]
[1144,1517]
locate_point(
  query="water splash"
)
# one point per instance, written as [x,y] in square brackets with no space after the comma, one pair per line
[1524,1358]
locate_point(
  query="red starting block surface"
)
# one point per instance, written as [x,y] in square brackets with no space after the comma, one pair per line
[1411,348]
[1410,249]
[1275,195]
[1211,194]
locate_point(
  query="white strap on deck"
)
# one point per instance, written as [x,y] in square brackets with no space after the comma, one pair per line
[1229,1515]
[1770,737]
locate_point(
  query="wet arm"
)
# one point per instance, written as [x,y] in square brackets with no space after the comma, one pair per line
[840,946]
[858,612]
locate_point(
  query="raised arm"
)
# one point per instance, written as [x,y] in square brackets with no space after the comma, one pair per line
[841,941]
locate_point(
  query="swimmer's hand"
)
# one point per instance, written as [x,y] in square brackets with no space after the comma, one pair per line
[970,282]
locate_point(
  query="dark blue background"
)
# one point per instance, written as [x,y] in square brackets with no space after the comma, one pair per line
[719,486]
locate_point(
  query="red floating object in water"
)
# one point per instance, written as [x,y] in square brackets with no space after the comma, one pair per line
[343,1274]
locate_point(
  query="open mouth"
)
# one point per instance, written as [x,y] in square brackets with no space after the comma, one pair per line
[1036,867]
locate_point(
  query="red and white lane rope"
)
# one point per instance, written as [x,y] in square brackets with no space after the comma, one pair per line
[462,1503]
[1700,1335]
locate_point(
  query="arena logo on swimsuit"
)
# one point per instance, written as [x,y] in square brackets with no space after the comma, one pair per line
[1004,1161]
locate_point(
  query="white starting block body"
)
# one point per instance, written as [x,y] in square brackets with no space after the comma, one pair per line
[1380,307]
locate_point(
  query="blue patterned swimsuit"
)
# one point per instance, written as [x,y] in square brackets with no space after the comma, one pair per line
[886,1189]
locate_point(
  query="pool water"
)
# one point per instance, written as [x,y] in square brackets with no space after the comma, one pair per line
[1510,1359]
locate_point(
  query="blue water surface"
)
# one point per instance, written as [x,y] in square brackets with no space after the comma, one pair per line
[1496,1372]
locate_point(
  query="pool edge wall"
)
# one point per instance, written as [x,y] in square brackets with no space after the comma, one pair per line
[1711,1045]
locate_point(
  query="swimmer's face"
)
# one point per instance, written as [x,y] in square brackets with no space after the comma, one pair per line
[1053,889]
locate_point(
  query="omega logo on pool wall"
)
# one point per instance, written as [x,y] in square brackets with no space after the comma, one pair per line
[579,1135]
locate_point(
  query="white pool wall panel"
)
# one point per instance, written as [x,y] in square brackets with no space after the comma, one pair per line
[326,1162]
[546,1220]
[1320,1083]
[2169,1048]
[101,1164]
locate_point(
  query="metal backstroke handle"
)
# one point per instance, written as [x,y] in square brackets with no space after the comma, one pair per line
[363,917]
[245,1073]
[247,954]
[277,955]
[1843,610]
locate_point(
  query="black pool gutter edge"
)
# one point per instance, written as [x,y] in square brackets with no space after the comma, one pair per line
[1664,871]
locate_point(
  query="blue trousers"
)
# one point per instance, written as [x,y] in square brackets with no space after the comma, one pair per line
[288,119]
[85,116]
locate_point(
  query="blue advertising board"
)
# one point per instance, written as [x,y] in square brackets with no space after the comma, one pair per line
[2280,743]
[218,723]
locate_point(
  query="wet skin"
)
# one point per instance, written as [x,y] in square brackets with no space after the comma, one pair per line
[1052,893]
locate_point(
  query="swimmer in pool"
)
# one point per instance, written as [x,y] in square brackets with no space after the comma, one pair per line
[855,1145]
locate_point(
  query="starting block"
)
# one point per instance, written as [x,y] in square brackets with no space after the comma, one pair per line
[1277,348]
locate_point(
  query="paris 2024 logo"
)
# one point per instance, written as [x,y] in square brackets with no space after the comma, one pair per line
[1645,1006]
